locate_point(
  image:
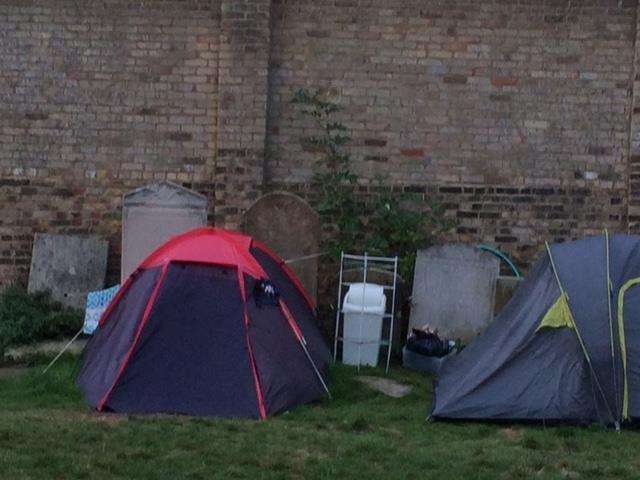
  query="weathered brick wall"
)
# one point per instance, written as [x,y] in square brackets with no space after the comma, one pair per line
[520,117]
[98,98]
[514,114]
[243,83]
[633,173]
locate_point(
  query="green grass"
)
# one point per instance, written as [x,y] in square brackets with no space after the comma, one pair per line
[46,432]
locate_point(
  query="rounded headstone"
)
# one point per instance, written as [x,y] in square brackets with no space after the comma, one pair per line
[291,228]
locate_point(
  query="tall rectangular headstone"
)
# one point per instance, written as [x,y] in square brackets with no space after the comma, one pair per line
[68,266]
[454,290]
[153,214]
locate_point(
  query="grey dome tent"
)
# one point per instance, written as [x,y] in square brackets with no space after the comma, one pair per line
[565,348]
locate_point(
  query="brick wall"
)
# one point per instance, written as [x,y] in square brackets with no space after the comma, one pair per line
[514,114]
[633,172]
[244,63]
[522,118]
[96,100]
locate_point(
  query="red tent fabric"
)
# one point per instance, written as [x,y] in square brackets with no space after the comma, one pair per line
[211,323]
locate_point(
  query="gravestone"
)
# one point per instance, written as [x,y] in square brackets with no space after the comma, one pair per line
[505,289]
[68,266]
[291,228]
[154,213]
[454,290]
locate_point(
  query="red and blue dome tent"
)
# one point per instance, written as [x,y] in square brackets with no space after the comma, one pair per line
[211,323]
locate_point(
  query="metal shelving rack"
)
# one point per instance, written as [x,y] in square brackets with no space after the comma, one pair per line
[385,266]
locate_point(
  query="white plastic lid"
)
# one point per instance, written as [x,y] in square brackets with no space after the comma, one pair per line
[365,295]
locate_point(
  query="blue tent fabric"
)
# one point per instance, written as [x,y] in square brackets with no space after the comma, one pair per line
[582,269]
[298,306]
[107,348]
[518,371]
[172,367]
[281,365]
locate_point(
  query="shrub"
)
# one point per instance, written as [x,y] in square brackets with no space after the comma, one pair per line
[26,318]
[386,222]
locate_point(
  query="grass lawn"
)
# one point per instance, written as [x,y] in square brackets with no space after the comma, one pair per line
[47,432]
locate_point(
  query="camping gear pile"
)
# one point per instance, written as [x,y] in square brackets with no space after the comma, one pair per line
[426,341]
[211,323]
[566,347]
[425,351]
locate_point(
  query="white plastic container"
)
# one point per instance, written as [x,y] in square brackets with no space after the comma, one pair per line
[363,308]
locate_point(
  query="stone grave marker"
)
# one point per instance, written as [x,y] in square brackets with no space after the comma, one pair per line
[454,290]
[154,213]
[69,266]
[505,289]
[291,228]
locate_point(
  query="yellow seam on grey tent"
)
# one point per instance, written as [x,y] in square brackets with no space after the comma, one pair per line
[558,316]
[623,343]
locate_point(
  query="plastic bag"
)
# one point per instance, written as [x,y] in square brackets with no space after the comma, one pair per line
[427,342]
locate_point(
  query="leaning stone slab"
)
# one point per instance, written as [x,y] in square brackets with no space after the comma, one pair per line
[68,266]
[454,290]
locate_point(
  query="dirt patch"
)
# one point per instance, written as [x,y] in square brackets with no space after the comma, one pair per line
[511,434]
[6,372]
[50,347]
[72,416]
[108,418]
[387,386]
[566,473]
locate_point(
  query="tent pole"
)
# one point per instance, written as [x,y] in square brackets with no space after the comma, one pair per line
[613,356]
[303,342]
[393,312]
[64,349]
[362,314]
[304,258]
[338,312]
[575,327]
[553,266]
